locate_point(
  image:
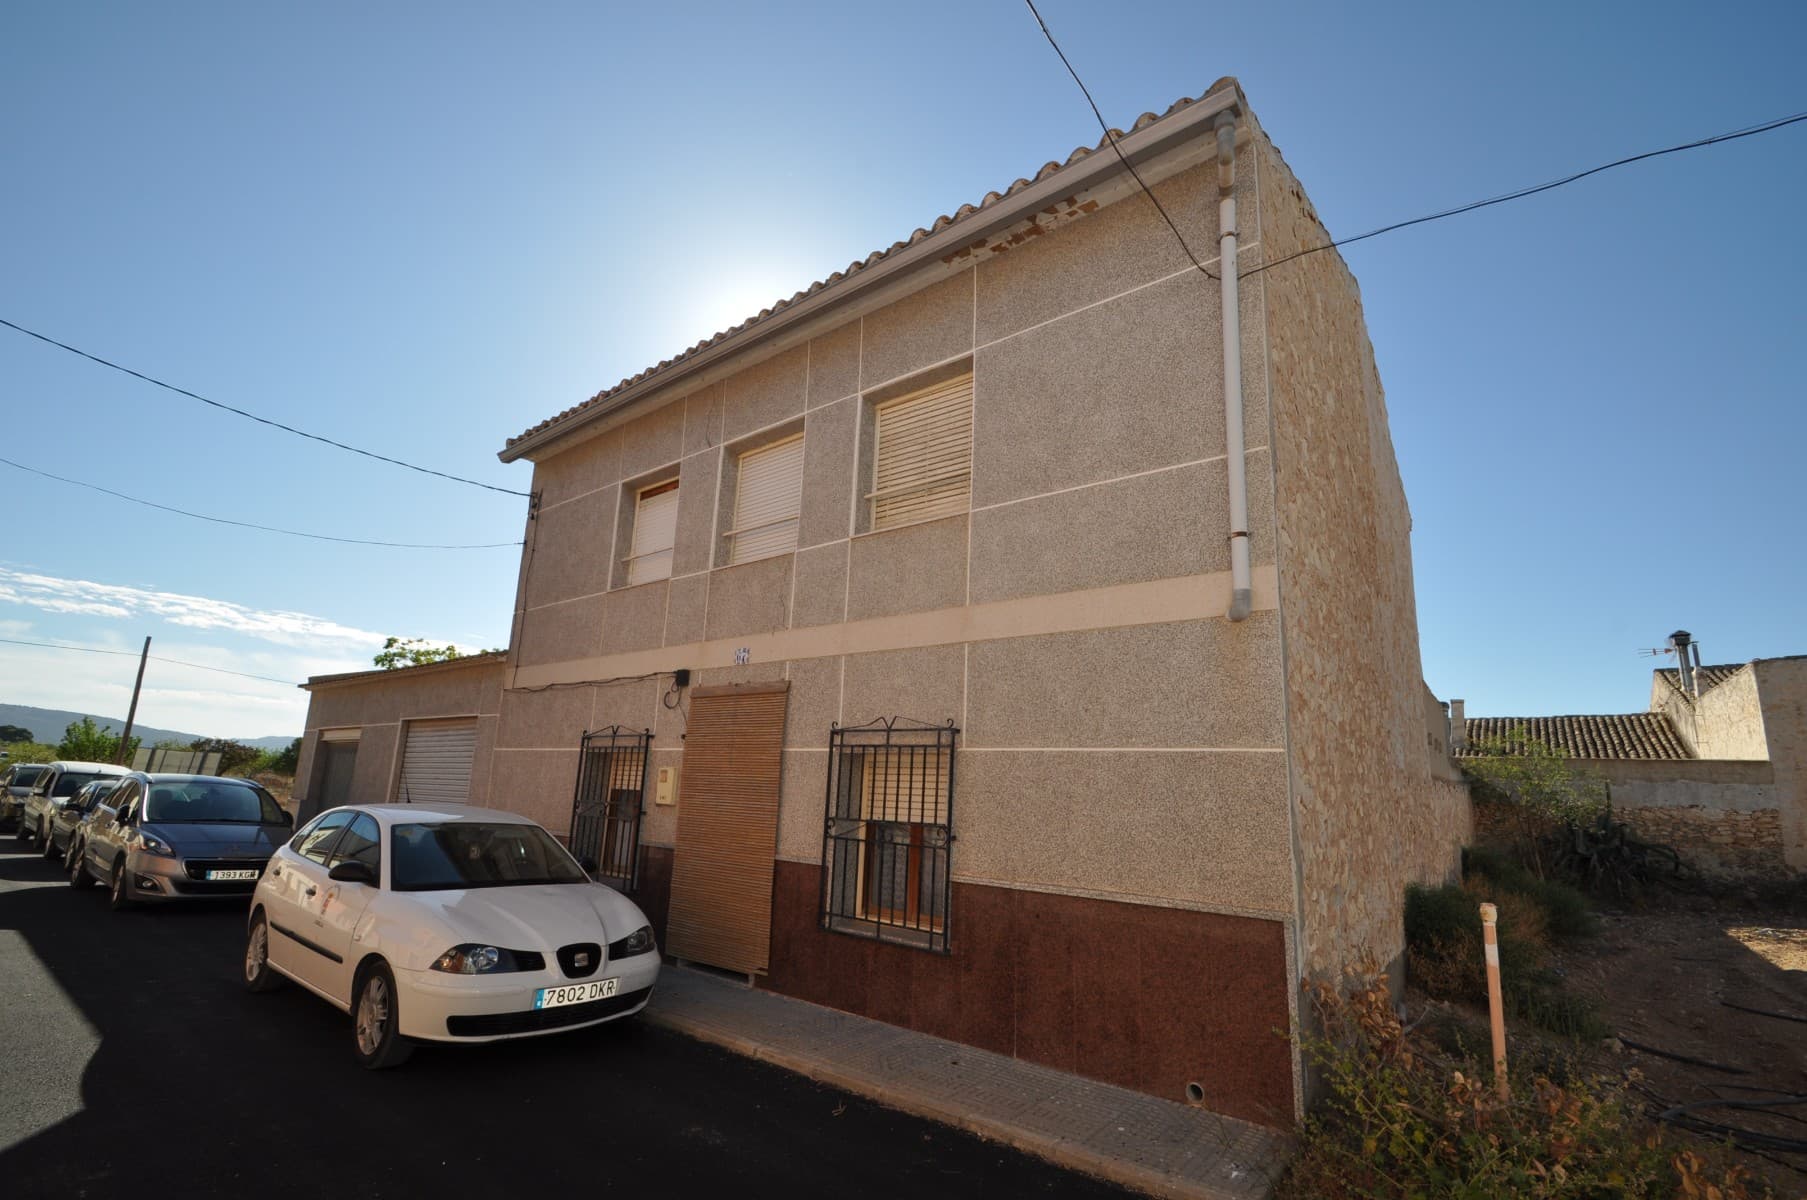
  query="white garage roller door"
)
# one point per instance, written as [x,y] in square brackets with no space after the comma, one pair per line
[436,764]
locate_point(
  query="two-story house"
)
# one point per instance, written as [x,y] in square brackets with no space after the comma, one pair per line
[993,639]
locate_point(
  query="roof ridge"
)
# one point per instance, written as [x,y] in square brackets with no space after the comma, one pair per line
[963,213]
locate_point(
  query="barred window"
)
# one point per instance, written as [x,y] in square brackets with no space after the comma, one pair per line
[888,832]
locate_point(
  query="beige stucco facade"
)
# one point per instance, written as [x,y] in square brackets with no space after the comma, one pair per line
[1121,741]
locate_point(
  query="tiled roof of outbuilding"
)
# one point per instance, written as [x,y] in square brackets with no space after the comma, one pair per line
[1710,676]
[1626,735]
[962,213]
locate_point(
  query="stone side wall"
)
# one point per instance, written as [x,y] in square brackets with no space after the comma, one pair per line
[1782,687]
[1368,817]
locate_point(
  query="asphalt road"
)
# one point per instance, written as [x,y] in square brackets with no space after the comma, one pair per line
[133,1063]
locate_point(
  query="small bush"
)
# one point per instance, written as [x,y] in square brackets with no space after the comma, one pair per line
[1402,1121]
[1567,912]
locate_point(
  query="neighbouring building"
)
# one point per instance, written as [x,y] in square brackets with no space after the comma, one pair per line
[986,639]
[1717,767]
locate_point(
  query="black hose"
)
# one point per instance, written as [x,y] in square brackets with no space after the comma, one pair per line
[1682,1115]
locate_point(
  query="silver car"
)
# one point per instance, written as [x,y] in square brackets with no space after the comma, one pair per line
[59,841]
[181,837]
[15,784]
[52,789]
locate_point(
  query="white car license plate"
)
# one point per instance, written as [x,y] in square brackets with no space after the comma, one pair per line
[235,874]
[575,993]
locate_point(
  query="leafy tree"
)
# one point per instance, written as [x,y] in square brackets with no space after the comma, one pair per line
[89,742]
[287,760]
[1543,789]
[413,652]
[28,751]
[14,733]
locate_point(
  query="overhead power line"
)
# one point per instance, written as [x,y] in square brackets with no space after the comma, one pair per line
[250,416]
[175,662]
[318,537]
[1521,193]
[1110,136]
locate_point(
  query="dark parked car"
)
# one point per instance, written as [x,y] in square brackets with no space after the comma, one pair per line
[64,821]
[15,784]
[181,837]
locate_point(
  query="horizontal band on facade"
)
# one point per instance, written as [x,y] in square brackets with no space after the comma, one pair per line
[1156,602]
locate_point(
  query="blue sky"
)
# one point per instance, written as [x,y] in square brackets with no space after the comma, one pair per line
[422,228]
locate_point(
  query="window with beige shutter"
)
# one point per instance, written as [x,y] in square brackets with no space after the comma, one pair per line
[923,455]
[655,531]
[767,493]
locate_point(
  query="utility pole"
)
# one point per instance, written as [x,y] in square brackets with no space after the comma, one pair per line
[131,714]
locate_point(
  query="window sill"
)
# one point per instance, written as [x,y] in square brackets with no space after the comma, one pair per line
[933,941]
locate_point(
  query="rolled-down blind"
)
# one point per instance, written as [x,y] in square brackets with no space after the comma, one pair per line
[906,784]
[655,529]
[436,762]
[924,455]
[766,501]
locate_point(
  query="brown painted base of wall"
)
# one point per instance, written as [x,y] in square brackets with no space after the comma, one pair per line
[653,893]
[1143,997]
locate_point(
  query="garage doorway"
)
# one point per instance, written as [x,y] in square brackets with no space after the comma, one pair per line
[335,765]
[721,881]
[436,762]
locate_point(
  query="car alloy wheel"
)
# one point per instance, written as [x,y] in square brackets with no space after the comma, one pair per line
[258,975]
[78,867]
[50,853]
[374,1017]
[120,896]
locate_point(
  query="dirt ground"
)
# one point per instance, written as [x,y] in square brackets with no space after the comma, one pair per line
[1679,974]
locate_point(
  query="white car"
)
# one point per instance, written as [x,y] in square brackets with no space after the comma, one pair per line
[446,923]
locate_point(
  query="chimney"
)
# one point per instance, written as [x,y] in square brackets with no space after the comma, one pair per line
[1679,641]
[1458,727]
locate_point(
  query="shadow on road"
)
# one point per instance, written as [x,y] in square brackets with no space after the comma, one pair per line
[200,1088]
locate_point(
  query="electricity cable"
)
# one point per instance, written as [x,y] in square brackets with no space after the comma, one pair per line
[1110,135]
[174,662]
[319,537]
[1521,193]
[250,416]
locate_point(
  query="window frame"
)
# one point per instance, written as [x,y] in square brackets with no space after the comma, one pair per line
[919,393]
[630,562]
[332,843]
[867,799]
[733,534]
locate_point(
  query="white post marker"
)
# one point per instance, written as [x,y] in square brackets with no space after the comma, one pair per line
[1490,937]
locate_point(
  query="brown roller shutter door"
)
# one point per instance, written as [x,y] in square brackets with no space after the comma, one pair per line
[721,883]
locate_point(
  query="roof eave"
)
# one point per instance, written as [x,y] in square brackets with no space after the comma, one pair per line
[464,661]
[1142,145]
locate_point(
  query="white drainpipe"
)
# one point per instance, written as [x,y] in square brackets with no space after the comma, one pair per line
[1241,597]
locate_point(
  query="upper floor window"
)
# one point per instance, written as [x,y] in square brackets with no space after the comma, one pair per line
[766,499]
[923,455]
[655,530]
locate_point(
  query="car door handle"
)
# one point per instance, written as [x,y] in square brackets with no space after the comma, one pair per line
[310,892]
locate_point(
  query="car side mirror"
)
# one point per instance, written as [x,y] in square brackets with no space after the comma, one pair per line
[590,865]
[353,871]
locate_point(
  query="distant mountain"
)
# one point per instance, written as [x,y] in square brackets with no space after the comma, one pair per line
[47,725]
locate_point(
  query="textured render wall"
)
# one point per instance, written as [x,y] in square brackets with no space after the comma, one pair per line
[1368,817]
[1147,759]
[1782,687]
[1726,722]
[380,708]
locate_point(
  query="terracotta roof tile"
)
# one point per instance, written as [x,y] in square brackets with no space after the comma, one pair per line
[964,212]
[1628,735]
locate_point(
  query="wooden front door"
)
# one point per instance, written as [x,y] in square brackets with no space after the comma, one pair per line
[721,880]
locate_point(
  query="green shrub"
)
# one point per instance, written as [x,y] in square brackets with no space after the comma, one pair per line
[1401,1121]
[1567,912]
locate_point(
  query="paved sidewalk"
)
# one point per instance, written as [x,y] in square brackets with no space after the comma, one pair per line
[1131,1138]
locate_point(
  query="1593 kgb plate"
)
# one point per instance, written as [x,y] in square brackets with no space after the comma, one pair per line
[221,875]
[575,993]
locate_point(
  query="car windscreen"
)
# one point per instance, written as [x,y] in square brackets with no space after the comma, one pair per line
[72,782]
[203,800]
[473,854]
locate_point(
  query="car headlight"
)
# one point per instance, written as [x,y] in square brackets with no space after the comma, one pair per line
[638,942]
[474,959]
[150,843]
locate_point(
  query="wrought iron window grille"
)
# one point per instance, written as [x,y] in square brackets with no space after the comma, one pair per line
[887,835]
[610,798]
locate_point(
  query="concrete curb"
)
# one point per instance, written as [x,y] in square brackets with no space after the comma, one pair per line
[920,1103]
